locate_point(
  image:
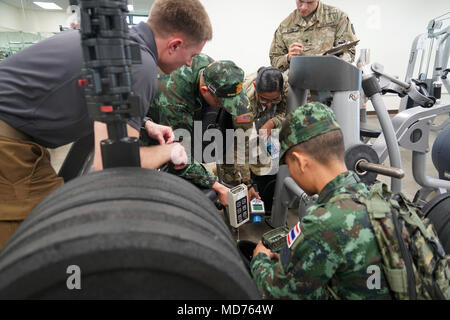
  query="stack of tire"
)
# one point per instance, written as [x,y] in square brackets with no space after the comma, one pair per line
[133,234]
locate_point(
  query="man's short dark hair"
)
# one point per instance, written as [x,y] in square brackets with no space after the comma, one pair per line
[181,16]
[323,148]
[269,79]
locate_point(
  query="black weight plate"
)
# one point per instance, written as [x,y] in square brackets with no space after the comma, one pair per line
[358,152]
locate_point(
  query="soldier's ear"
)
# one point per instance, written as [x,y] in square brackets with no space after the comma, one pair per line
[302,161]
[173,44]
[203,90]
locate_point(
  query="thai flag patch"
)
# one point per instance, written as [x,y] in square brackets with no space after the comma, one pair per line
[293,234]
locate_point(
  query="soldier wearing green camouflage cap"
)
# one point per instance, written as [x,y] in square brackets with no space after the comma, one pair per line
[304,124]
[224,81]
[185,92]
[332,250]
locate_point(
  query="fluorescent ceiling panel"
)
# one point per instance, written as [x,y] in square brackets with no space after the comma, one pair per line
[48,5]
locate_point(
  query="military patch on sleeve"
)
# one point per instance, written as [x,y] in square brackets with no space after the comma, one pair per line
[293,235]
[244,118]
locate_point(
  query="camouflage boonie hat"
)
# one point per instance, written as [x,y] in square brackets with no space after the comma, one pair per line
[224,80]
[305,123]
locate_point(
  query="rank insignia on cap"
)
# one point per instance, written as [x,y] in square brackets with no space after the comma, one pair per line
[238,88]
[293,234]
[244,118]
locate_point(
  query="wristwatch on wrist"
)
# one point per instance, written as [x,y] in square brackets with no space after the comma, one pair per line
[249,184]
[145,120]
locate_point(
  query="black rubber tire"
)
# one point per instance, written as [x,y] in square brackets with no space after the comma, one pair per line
[128,247]
[111,253]
[117,177]
[438,211]
[84,215]
[155,184]
[124,194]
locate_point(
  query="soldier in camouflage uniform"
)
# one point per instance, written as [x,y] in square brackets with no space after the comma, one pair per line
[310,30]
[268,107]
[329,252]
[181,97]
[267,91]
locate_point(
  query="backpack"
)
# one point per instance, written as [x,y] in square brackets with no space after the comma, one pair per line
[413,259]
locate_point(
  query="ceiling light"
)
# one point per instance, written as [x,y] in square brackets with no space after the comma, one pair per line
[48,5]
[130,7]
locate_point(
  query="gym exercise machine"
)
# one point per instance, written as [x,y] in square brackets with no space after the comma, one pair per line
[337,84]
[435,39]
[409,129]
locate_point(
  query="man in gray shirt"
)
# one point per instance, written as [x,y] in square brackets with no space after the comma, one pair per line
[42,105]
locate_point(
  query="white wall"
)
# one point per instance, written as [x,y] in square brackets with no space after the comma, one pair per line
[243,29]
[14,19]
[44,21]
[10,20]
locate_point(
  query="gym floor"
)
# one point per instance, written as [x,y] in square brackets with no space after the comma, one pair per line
[254,231]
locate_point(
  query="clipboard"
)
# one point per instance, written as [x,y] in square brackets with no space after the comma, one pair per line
[341,48]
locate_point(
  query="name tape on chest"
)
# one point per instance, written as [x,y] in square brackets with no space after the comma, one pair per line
[293,234]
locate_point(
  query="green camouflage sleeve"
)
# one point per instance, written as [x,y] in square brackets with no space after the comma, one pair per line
[234,174]
[303,271]
[197,174]
[279,117]
[239,171]
[181,117]
[278,52]
[193,172]
[344,33]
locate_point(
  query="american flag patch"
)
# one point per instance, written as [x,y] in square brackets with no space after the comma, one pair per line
[244,118]
[293,234]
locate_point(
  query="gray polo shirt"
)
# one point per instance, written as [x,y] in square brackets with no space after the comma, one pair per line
[39,92]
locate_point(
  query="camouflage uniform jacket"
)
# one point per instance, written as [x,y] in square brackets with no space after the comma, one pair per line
[175,105]
[239,173]
[335,248]
[326,28]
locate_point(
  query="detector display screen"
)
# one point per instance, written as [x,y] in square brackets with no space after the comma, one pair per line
[237,190]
